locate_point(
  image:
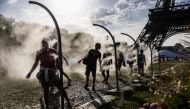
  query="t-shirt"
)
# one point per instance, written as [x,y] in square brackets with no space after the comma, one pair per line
[47,58]
[141,59]
[107,59]
[93,55]
[120,58]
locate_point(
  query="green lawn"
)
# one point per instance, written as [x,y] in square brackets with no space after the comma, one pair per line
[164,65]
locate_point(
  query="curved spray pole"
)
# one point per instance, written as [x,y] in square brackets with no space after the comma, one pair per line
[59,46]
[115,52]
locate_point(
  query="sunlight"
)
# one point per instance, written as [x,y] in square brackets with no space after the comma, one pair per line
[68,7]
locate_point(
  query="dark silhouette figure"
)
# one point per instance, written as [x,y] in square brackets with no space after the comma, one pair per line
[131,62]
[106,63]
[48,72]
[69,80]
[120,61]
[141,62]
[90,60]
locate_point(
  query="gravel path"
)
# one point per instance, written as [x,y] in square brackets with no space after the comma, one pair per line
[24,94]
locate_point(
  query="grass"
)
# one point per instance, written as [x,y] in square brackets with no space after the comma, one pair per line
[166,87]
[164,65]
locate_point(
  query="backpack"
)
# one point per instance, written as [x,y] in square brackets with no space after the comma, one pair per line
[85,60]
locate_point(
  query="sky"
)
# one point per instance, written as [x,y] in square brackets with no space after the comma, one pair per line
[128,16]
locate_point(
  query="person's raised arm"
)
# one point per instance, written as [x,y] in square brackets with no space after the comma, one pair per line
[33,67]
[123,60]
[82,59]
[56,52]
[65,60]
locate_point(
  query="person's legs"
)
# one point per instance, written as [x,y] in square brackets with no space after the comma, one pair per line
[62,90]
[143,69]
[103,74]
[131,67]
[87,73]
[139,67]
[87,80]
[119,68]
[45,86]
[107,71]
[94,78]
[69,80]
[119,71]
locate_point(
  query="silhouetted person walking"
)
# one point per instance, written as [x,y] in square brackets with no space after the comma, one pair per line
[69,80]
[120,61]
[141,62]
[90,60]
[130,61]
[106,63]
[48,72]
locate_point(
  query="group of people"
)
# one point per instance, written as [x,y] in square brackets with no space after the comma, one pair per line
[49,67]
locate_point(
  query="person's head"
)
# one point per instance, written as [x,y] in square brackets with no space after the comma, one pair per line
[97,46]
[45,43]
[141,51]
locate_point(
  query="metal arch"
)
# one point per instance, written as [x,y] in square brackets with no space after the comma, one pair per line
[167,37]
[130,37]
[115,52]
[59,46]
[135,41]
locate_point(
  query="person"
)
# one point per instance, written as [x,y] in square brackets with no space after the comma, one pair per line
[131,61]
[69,80]
[141,62]
[120,61]
[91,60]
[48,72]
[106,63]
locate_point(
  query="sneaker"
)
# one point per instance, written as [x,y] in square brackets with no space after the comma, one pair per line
[86,86]
[104,81]
[69,106]
[93,88]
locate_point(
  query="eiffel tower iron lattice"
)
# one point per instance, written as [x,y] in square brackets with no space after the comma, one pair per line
[165,20]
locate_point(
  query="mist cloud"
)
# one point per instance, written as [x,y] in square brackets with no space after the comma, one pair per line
[11,1]
[18,48]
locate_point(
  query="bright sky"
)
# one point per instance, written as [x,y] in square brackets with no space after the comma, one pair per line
[128,16]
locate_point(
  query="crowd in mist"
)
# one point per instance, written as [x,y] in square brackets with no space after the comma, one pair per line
[19,42]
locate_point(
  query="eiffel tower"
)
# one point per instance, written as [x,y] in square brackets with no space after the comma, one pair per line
[165,20]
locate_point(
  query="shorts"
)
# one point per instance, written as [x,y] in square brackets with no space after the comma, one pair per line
[90,69]
[141,67]
[52,75]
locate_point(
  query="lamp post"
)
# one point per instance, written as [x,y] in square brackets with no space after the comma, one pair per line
[137,47]
[115,52]
[59,46]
